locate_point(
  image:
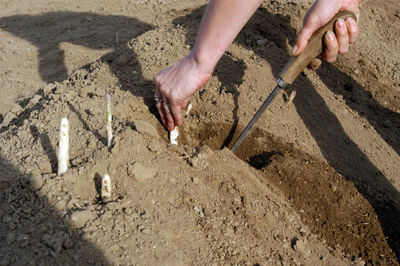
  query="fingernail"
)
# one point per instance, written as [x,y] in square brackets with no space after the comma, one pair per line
[351,22]
[330,35]
[340,23]
[294,49]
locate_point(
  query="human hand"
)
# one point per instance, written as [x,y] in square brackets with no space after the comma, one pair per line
[175,85]
[321,13]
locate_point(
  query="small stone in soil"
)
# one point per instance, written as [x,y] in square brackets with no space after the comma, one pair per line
[301,246]
[195,180]
[60,205]
[36,182]
[141,172]
[78,219]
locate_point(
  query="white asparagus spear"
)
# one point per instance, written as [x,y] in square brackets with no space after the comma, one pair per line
[63,146]
[188,109]
[173,136]
[109,119]
[106,187]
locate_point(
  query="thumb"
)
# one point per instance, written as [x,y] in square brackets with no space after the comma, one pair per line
[312,23]
[319,14]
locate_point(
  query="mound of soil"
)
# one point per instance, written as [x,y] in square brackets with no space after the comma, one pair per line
[315,183]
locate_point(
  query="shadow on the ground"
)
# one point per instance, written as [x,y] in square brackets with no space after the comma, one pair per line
[49,30]
[340,151]
[31,231]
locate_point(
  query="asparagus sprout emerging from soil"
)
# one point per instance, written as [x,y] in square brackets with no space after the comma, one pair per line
[109,119]
[188,109]
[173,136]
[106,187]
[63,147]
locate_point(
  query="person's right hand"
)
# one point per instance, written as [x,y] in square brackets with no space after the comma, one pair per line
[175,85]
[320,13]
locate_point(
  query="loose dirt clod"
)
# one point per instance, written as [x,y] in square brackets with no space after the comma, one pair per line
[302,247]
[36,182]
[141,172]
[79,219]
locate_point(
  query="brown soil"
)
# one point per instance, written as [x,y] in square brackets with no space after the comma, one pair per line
[315,183]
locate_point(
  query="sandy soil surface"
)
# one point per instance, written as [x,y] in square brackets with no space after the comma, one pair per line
[315,183]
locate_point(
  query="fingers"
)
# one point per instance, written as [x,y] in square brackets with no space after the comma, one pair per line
[176,113]
[311,24]
[319,14]
[169,118]
[342,36]
[170,115]
[159,104]
[331,47]
[346,33]
[163,106]
[352,29]
[162,114]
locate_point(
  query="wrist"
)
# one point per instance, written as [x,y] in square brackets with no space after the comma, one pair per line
[205,61]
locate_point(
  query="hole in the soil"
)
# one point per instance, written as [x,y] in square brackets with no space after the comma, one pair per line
[261,160]
[311,185]
[257,148]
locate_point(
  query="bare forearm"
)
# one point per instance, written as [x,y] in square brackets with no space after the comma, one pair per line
[221,23]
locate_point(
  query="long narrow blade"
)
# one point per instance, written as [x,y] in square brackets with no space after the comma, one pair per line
[255,118]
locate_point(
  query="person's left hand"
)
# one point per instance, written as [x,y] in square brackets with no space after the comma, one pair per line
[321,13]
[175,85]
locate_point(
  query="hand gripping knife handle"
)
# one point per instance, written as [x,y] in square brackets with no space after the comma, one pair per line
[294,67]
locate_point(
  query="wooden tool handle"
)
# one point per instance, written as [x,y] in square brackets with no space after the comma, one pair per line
[297,64]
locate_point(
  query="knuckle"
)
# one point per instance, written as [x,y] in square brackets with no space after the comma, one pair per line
[157,79]
[313,20]
[330,59]
[335,46]
[343,49]
[353,39]
[342,32]
[330,56]
[332,47]
[174,95]
[353,29]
